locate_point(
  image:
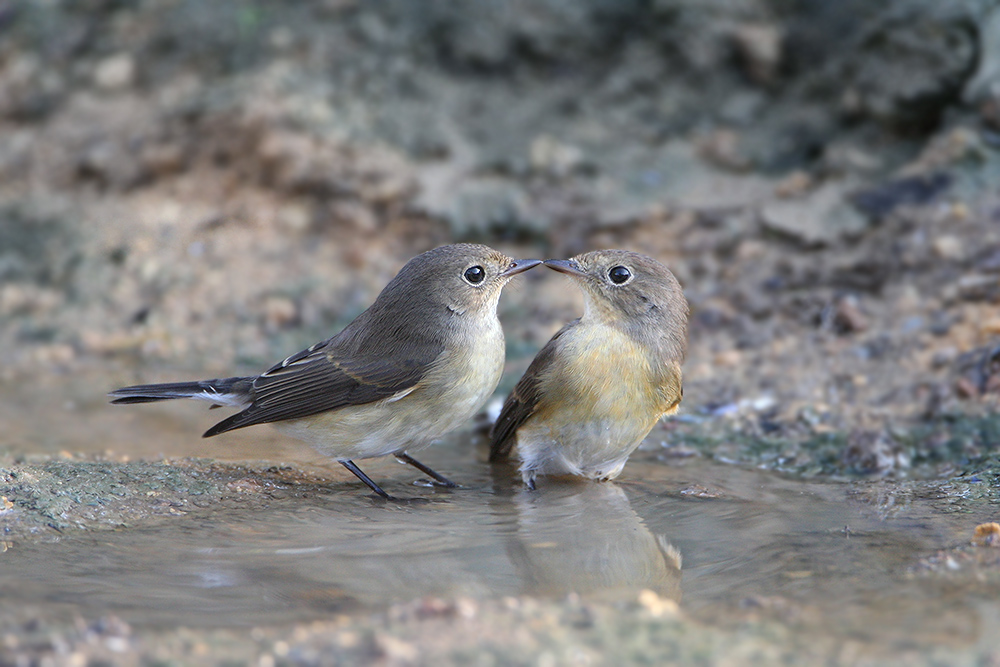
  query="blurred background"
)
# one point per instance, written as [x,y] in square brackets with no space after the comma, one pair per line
[195,189]
[198,188]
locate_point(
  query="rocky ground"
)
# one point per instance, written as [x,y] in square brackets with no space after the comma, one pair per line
[203,188]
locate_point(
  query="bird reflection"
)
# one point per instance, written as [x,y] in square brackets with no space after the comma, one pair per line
[573,537]
[585,538]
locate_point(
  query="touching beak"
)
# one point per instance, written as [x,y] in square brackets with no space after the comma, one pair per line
[565,266]
[520,266]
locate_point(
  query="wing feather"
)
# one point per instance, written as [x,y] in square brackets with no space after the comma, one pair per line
[319,379]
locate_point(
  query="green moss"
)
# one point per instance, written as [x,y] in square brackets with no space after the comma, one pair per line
[951,446]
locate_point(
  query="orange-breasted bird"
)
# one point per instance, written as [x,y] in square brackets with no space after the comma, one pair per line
[602,382]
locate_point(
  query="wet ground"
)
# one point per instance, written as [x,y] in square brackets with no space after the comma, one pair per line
[111,549]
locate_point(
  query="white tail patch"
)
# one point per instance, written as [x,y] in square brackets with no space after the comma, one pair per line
[228,400]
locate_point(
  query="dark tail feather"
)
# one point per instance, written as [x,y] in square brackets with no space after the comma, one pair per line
[225,391]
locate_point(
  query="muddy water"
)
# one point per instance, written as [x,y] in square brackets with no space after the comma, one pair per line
[719,539]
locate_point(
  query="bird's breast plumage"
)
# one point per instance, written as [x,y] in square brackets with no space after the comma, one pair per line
[607,372]
[601,396]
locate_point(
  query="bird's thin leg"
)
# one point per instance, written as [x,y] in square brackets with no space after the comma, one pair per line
[440,479]
[529,479]
[366,479]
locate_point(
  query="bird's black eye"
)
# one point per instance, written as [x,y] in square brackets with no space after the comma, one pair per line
[619,275]
[475,274]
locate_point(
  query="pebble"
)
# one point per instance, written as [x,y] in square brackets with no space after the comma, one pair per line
[722,148]
[656,605]
[356,215]
[728,358]
[114,73]
[163,159]
[759,44]
[944,356]
[987,535]
[948,248]
[793,185]
[280,311]
[848,317]
[17,298]
[295,217]
[991,327]
[551,156]
[396,650]
[965,388]
[978,286]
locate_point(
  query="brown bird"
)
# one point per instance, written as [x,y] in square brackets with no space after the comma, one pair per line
[602,382]
[414,366]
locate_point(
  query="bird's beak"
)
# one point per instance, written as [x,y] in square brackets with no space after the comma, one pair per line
[520,266]
[565,266]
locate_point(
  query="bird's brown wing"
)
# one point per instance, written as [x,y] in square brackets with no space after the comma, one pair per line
[317,380]
[523,400]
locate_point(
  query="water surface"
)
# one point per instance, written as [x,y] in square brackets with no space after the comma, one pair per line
[717,538]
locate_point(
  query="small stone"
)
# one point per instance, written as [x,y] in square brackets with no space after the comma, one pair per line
[948,248]
[990,261]
[873,452]
[245,485]
[18,298]
[750,249]
[116,72]
[793,185]
[356,215]
[722,148]
[466,608]
[58,354]
[944,357]
[759,45]
[959,211]
[817,219]
[728,358]
[657,606]
[295,217]
[847,317]
[991,327]
[163,159]
[554,157]
[116,644]
[965,388]
[987,535]
[978,287]
[280,312]
[397,651]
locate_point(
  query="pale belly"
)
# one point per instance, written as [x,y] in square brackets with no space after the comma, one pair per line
[592,448]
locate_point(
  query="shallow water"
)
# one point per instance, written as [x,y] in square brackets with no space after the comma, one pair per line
[717,538]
